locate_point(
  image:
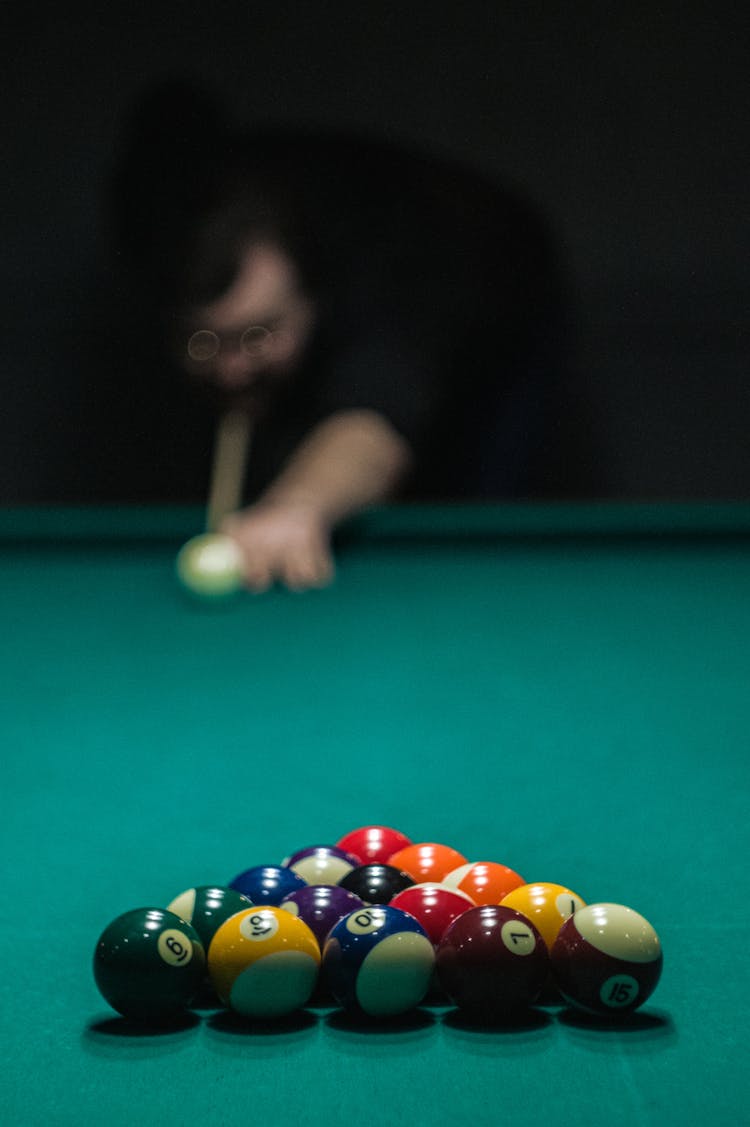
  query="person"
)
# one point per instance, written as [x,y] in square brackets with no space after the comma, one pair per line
[390,320]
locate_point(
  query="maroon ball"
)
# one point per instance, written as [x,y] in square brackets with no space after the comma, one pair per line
[492,962]
[607,959]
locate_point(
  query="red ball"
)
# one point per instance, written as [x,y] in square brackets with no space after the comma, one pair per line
[492,962]
[373,843]
[607,959]
[434,906]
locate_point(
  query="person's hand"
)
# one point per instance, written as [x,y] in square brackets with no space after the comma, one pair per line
[281,542]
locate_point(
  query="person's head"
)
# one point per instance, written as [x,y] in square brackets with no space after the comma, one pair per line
[210,228]
[252,332]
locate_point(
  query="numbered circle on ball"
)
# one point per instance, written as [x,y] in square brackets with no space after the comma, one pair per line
[175,948]
[259,926]
[366,922]
[518,937]
[619,991]
[567,904]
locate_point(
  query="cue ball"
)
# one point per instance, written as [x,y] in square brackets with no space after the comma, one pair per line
[607,959]
[492,962]
[263,963]
[149,964]
[210,566]
[378,961]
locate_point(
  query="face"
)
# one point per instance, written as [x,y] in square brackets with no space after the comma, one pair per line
[256,332]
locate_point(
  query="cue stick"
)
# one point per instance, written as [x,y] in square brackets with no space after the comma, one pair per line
[231,452]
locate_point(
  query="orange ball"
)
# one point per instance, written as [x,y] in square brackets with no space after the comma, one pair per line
[427,861]
[486,882]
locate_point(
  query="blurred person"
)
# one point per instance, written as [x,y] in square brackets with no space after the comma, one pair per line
[390,321]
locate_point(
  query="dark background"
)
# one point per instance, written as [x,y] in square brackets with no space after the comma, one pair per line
[626,122]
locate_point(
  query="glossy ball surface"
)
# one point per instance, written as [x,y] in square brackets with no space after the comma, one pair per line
[607,959]
[373,843]
[322,864]
[321,907]
[427,861]
[378,961]
[149,964]
[376,883]
[486,882]
[210,566]
[264,962]
[434,906]
[547,905]
[492,962]
[267,884]
[206,907]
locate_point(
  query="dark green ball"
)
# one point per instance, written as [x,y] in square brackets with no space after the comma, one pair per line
[207,906]
[149,964]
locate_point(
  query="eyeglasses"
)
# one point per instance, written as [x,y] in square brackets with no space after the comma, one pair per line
[204,344]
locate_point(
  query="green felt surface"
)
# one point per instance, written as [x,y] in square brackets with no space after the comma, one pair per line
[568,697]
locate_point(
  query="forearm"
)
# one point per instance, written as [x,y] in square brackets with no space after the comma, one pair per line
[350,460]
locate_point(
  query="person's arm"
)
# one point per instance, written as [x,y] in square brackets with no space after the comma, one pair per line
[352,459]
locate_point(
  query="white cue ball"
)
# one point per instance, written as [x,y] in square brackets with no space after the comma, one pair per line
[210,565]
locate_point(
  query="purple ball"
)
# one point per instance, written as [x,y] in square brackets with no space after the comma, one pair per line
[267,884]
[321,906]
[322,864]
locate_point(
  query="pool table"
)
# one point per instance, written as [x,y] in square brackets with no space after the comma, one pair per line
[562,688]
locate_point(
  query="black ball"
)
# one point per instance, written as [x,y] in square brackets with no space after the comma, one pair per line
[376,883]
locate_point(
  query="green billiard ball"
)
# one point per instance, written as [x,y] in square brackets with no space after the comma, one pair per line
[210,565]
[206,907]
[149,964]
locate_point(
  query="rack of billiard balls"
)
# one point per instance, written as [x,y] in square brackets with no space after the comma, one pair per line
[375,924]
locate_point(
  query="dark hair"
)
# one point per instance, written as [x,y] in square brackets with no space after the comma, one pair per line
[244,209]
[189,195]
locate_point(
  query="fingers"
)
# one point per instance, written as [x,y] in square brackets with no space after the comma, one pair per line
[298,572]
[282,551]
[258,574]
[307,571]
